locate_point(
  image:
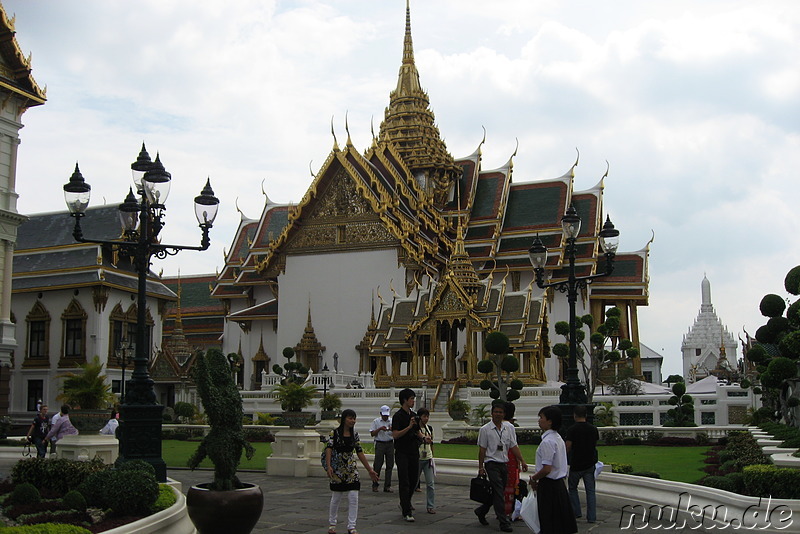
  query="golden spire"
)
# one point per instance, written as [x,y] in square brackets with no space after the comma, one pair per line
[409,125]
[178,318]
[462,267]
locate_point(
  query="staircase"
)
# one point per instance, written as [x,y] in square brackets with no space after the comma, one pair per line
[441,401]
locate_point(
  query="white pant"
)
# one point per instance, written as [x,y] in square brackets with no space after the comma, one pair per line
[352,510]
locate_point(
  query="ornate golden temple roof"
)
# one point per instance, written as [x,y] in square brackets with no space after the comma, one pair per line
[409,125]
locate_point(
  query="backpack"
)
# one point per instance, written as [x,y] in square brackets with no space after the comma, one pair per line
[332,441]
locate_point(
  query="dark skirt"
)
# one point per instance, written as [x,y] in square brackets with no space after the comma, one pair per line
[555,511]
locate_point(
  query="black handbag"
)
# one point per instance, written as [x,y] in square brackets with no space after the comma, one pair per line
[480,490]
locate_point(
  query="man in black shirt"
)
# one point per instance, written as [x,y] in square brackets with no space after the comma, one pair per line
[406,434]
[581,441]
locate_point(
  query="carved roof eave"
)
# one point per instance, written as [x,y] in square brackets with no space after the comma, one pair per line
[382,203]
[432,305]
[18,65]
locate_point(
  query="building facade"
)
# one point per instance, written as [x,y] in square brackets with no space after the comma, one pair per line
[400,259]
[18,92]
[708,346]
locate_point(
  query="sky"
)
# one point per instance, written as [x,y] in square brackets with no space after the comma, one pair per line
[693,106]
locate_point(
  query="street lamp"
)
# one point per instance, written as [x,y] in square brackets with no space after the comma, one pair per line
[325,376]
[124,357]
[573,392]
[141,216]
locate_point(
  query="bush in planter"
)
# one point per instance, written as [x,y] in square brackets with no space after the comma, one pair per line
[222,402]
[132,492]
[330,402]
[458,409]
[166,498]
[184,411]
[46,528]
[96,487]
[74,500]
[25,493]
[719,482]
[58,475]
[87,389]
[293,396]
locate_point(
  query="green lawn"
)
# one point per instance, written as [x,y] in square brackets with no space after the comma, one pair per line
[681,464]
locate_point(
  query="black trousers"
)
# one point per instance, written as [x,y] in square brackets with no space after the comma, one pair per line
[497,474]
[407,474]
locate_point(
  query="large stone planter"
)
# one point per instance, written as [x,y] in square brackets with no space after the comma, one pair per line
[296,419]
[296,453]
[232,512]
[89,421]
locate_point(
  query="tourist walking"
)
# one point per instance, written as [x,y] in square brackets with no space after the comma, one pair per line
[581,443]
[497,441]
[555,511]
[38,430]
[426,466]
[62,427]
[341,450]
[405,431]
[381,430]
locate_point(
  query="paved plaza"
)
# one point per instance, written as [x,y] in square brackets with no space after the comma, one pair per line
[301,505]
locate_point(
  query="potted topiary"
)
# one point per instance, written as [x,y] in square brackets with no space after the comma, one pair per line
[293,398]
[226,504]
[291,392]
[329,406]
[458,409]
[88,395]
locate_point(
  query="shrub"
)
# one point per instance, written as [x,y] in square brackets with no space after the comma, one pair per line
[632,440]
[674,441]
[724,456]
[166,498]
[96,488]
[184,411]
[25,493]
[46,528]
[719,482]
[772,305]
[58,475]
[137,465]
[264,419]
[625,469]
[611,437]
[738,481]
[792,281]
[74,500]
[528,437]
[771,481]
[261,435]
[132,492]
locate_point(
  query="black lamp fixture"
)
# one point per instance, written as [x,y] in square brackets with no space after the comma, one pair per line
[142,218]
[124,356]
[573,392]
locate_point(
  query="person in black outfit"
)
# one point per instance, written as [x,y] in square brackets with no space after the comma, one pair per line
[38,430]
[581,442]
[407,437]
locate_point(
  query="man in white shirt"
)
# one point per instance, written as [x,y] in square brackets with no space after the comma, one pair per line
[496,439]
[384,448]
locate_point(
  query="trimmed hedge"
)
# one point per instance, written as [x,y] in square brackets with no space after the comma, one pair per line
[772,481]
[58,475]
[166,498]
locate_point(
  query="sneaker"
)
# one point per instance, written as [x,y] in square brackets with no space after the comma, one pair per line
[387,490]
[409,518]
[481,518]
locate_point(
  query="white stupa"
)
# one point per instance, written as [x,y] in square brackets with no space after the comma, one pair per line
[708,345]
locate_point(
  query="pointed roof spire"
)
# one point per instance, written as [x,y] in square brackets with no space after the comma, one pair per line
[408,80]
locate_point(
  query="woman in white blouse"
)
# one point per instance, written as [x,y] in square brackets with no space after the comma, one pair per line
[555,511]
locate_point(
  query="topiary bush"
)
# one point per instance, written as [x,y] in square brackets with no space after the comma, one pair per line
[25,493]
[166,498]
[58,475]
[771,481]
[184,411]
[96,487]
[137,465]
[74,500]
[719,482]
[772,305]
[132,492]
[632,440]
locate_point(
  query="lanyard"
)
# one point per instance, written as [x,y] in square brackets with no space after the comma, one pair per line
[499,434]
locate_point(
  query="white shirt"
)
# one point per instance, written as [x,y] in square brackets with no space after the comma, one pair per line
[552,452]
[383,435]
[111,427]
[490,437]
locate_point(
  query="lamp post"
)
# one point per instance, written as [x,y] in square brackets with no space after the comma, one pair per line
[573,392]
[124,357]
[325,376]
[141,216]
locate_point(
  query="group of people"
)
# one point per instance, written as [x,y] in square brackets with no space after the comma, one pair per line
[406,440]
[44,431]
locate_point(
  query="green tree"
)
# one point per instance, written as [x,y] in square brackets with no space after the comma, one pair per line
[671,379]
[605,347]
[776,352]
[291,372]
[502,364]
[682,414]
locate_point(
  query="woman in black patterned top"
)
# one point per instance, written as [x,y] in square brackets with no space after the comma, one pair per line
[340,455]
